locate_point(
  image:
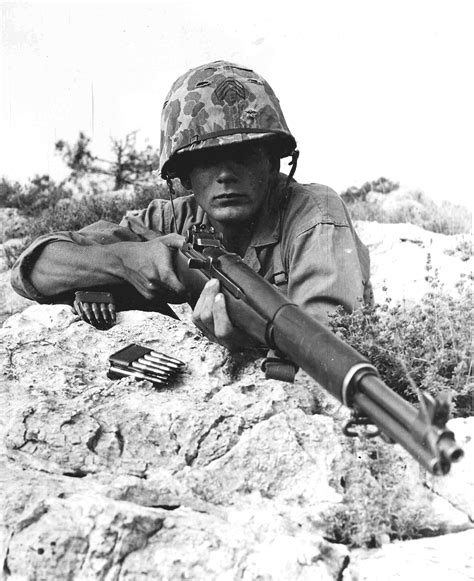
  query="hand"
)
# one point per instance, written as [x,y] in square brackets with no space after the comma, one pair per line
[210,316]
[148,266]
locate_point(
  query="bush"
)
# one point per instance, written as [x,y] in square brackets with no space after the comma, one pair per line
[432,342]
[462,250]
[413,207]
[10,193]
[381,185]
[380,504]
[39,194]
[431,339]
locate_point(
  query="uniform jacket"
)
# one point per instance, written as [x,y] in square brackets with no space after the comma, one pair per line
[307,246]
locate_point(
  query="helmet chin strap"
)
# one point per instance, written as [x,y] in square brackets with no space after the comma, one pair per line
[294,162]
[169,181]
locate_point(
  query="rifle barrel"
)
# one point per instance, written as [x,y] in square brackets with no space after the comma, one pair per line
[263,312]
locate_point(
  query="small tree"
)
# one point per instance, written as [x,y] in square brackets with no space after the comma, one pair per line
[128,165]
[78,157]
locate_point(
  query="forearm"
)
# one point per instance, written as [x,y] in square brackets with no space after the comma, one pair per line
[64,266]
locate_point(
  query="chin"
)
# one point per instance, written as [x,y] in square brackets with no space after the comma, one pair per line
[231,218]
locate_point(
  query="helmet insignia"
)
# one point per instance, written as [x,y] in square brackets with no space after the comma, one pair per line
[230,91]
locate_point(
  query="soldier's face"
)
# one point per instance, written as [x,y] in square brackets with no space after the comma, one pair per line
[232,182]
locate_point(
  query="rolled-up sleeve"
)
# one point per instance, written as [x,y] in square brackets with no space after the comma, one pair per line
[328,267]
[101,232]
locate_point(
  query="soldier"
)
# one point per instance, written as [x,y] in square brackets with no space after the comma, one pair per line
[222,134]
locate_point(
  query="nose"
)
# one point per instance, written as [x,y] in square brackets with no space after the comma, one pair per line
[226,172]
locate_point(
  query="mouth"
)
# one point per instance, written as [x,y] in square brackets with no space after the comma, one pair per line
[229,196]
[231,199]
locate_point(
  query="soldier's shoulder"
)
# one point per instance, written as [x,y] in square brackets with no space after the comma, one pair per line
[183,202]
[315,203]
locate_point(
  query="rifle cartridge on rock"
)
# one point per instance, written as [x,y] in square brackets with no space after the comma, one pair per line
[264,313]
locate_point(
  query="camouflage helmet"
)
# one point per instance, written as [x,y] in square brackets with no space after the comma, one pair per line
[217,104]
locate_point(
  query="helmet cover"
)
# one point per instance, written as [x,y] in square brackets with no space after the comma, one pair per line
[218,104]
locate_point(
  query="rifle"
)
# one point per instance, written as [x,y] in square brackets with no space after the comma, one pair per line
[264,313]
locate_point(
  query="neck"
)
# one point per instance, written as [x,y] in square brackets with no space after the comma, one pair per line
[236,237]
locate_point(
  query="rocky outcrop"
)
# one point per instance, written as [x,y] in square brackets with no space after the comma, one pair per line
[434,558]
[221,475]
[10,301]
[400,254]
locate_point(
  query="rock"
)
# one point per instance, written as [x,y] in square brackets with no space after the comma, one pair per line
[10,301]
[220,475]
[458,486]
[197,479]
[89,536]
[399,255]
[438,558]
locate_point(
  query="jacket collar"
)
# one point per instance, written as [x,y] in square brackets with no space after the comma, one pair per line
[268,228]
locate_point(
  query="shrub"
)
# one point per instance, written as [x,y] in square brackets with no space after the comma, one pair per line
[39,194]
[413,207]
[381,185]
[462,250]
[380,503]
[10,193]
[432,339]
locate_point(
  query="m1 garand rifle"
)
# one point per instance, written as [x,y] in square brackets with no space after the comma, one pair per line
[258,308]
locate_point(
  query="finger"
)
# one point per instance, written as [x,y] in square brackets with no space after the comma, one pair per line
[172,240]
[169,278]
[203,311]
[222,324]
[147,288]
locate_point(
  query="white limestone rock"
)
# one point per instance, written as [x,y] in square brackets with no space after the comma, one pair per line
[436,558]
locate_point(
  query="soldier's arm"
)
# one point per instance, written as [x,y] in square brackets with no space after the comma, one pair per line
[102,253]
[148,266]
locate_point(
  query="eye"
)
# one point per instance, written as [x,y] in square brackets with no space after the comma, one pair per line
[202,84]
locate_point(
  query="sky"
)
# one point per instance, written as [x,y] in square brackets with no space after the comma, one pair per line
[368,88]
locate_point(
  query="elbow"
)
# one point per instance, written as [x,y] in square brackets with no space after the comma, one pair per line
[17,286]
